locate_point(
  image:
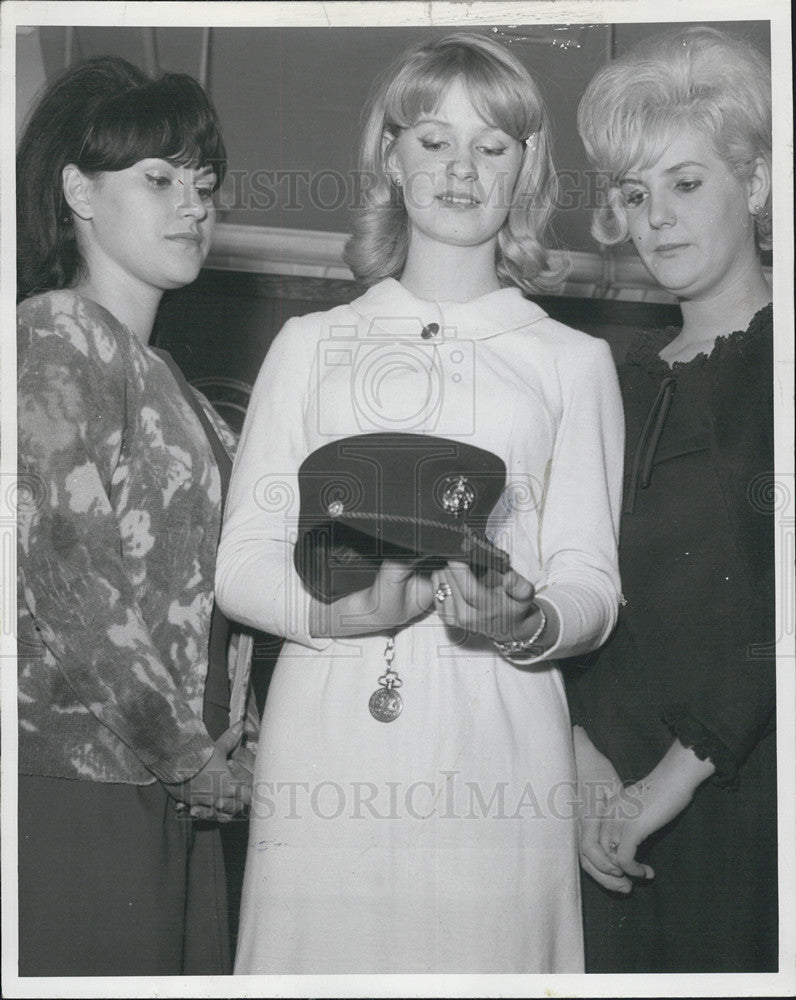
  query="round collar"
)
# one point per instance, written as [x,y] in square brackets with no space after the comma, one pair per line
[393,308]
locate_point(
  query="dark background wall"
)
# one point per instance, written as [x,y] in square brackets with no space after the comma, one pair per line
[290,101]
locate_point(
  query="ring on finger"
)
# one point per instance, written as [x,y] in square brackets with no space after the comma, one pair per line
[443,591]
[613,846]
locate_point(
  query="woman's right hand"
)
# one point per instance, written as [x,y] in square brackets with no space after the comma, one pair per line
[398,594]
[215,792]
[600,792]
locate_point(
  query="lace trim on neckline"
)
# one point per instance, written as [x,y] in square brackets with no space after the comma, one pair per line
[645,348]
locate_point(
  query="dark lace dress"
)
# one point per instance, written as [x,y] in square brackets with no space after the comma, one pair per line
[692,658]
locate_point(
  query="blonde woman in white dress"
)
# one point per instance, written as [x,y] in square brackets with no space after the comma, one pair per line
[444,840]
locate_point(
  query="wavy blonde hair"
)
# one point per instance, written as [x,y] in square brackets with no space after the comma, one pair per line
[505,95]
[697,77]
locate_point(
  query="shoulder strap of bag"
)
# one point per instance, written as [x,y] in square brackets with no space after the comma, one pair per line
[220,453]
[217,691]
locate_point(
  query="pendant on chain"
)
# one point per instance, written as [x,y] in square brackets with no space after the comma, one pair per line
[386,703]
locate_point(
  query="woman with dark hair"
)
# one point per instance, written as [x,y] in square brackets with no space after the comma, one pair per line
[439,838]
[680,704]
[124,694]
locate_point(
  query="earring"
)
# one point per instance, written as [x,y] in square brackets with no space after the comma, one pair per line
[755,210]
[397,181]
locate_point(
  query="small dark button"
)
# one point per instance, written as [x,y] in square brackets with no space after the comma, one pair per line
[429,331]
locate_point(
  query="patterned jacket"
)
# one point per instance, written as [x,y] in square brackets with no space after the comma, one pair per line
[117,532]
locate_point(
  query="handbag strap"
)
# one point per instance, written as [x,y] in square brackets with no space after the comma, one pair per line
[216,713]
[220,453]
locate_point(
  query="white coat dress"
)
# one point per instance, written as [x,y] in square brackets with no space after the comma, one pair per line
[444,841]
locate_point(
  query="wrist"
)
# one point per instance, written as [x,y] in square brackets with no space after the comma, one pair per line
[181,776]
[419,596]
[527,639]
[671,784]
[344,616]
[682,766]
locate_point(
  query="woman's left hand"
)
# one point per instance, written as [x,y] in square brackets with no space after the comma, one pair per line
[638,810]
[495,606]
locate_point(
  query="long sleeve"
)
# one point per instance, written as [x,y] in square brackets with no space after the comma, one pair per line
[256,582]
[578,526]
[727,699]
[576,566]
[726,702]
[692,657]
[103,547]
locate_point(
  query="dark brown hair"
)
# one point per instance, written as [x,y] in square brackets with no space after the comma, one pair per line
[101,115]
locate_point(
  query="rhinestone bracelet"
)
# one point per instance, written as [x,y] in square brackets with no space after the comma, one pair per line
[523,646]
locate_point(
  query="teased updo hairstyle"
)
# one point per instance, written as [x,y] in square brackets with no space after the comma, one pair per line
[101,114]
[504,94]
[697,77]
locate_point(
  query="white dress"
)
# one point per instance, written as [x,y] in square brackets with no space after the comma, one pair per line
[444,841]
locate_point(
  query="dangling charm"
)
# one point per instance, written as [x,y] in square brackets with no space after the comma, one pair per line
[385,703]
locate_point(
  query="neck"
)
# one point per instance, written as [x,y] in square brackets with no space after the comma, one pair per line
[728,310]
[442,273]
[132,302]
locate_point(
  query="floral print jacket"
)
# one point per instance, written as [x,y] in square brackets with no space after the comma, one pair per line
[118,523]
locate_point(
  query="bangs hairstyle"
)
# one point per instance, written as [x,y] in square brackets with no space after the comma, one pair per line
[101,115]
[699,78]
[169,118]
[505,96]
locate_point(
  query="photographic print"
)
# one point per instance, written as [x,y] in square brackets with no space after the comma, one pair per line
[397,466]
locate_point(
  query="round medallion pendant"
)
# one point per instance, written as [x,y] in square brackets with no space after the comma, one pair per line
[385,704]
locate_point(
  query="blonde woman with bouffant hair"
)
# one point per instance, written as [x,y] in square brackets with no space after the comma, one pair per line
[675,719]
[702,77]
